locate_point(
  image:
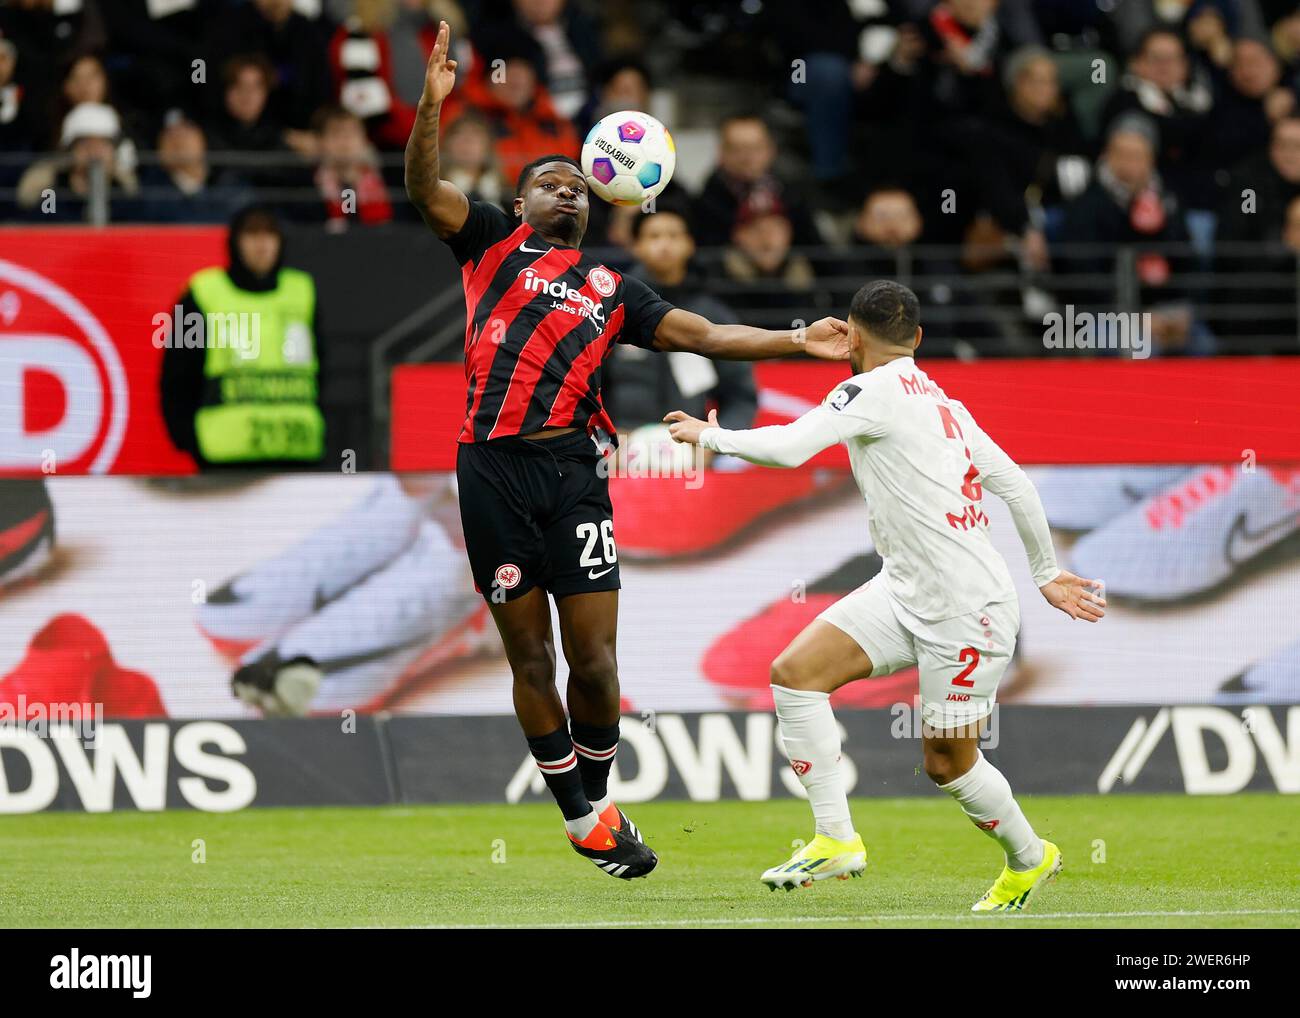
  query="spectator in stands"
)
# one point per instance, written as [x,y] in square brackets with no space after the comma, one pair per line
[885,232]
[1209,38]
[622,83]
[231,396]
[570,47]
[1135,18]
[17,128]
[638,384]
[1284,32]
[1032,155]
[84,81]
[824,79]
[45,32]
[760,258]
[1128,208]
[294,46]
[411,38]
[1162,84]
[468,161]
[1261,188]
[153,46]
[245,123]
[1255,292]
[887,224]
[59,188]
[348,179]
[744,172]
[965,45]
[183,188]
[361,64]
[1255,222]
[512,99]
[1249,99]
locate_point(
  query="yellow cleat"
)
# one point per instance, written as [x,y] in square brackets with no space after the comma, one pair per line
[1013,891]
[820,859]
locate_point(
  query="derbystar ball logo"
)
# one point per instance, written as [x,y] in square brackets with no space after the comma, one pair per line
[567,298]
[64,400]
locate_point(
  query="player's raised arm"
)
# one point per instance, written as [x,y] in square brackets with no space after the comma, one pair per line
[441,204]
[826,339]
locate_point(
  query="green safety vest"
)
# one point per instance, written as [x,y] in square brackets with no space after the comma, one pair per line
[260,370]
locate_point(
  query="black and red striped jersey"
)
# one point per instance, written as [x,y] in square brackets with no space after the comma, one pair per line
[539,321]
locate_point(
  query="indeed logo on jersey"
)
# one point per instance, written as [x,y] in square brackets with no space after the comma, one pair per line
[572,301]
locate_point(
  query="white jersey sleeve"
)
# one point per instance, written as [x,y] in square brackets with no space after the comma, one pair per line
[1000,475]
[841,416]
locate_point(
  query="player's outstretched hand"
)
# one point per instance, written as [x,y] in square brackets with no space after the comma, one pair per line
[828,339]
[685,428]
[1075,596]
[440,75]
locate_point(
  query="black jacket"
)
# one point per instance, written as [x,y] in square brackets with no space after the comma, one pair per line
[638,385]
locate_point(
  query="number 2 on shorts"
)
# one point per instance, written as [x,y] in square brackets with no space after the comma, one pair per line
[973,656]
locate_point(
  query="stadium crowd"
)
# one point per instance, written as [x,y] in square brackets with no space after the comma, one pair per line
[1006,154]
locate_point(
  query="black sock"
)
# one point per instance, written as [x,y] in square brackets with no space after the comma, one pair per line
[595,746]
[559,766]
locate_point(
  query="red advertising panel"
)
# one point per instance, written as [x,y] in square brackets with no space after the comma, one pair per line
[78,366]
[1056,411]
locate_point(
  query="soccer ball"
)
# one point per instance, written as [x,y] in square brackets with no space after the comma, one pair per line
[628,158]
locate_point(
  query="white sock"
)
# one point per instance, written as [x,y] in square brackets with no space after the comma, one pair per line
[985,796]
[600,805]
[812,737]
[583,826]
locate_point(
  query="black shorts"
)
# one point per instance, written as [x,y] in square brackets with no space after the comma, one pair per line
[537,514]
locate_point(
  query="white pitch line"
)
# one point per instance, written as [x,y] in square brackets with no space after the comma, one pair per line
[916,917]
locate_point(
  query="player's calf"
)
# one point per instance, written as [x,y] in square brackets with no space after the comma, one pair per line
[984,795]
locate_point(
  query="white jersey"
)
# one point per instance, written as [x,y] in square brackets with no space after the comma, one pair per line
[922,464]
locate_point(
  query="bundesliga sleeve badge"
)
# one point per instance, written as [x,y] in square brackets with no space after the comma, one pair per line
[843,396]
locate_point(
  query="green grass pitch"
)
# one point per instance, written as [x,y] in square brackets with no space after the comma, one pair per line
[1149,861]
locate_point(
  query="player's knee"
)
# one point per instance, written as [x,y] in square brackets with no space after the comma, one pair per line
[789,671]
[536,671]
[594,668]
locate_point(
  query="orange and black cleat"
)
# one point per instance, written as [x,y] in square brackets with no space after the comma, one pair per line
[616,851]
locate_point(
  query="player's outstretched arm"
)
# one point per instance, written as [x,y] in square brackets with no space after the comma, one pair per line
[826,339]
[441,204]
[783,445]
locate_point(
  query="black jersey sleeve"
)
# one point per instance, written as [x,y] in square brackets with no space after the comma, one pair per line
[643,309]
[485,226]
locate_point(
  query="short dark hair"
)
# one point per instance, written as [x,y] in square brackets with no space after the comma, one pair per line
[1144,40]
[887,310]
[331,114]
[618,63]
[259,62]
[743,116]
[527,171]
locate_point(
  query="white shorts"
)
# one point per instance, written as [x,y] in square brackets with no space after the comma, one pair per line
[961,659]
